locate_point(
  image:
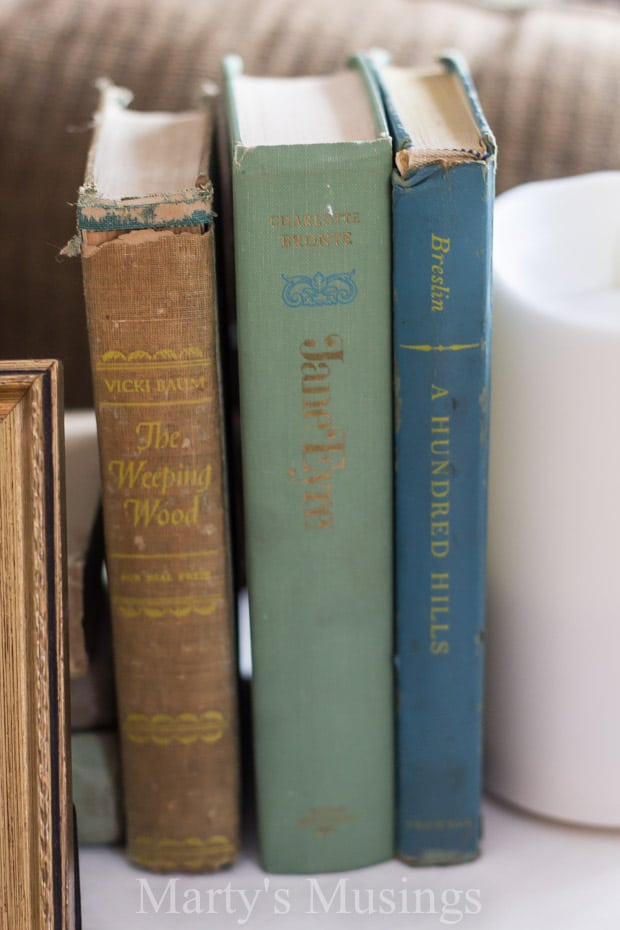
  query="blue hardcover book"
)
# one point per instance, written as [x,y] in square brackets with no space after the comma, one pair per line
[443,191]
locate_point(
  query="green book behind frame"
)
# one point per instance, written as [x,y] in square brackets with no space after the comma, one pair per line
[310,164]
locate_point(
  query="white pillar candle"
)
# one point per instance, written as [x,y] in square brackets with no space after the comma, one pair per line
[553,661]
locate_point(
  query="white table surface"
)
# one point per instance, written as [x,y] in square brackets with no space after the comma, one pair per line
[532,875]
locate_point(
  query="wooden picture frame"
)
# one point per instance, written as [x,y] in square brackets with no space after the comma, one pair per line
[37,871]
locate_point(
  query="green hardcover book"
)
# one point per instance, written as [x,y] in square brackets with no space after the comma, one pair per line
[310,171]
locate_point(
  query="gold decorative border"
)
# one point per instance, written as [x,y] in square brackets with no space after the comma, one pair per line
[42,657]
[165,729]
[190,854]
[113,357]
[155,607]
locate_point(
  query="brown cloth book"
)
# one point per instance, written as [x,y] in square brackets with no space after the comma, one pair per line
[145,233]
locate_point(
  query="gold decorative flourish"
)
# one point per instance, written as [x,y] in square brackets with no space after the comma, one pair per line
[164,729]
[155,607]
[189,353]
[191,854]
[440,348]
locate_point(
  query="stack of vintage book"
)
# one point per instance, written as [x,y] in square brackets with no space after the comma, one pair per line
[360,207]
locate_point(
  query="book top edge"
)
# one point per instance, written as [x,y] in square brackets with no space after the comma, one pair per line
[434,114]
[338,108]
[146,168]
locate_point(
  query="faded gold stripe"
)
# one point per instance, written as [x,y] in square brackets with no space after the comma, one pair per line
[165,555]
[453,348]
[140,366]
[157,403]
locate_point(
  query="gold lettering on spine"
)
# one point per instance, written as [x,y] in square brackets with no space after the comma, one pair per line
[440,291]
[312,240]
[305,220]
[329,229]
[145,512]
[163,482]
[157,509]
[324,453]
[439,528]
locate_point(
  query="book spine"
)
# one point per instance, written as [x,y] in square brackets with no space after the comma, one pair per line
[442,228]
[154,355]
[312,240]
